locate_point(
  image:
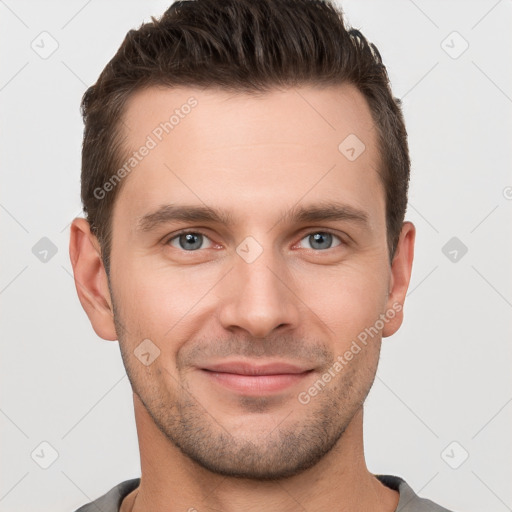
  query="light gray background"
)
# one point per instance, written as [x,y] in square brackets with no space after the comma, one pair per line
[444,377]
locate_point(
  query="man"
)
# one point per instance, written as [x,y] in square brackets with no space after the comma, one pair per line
[244,179]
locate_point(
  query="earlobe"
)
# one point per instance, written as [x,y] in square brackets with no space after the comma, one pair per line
[91,279]
[401,269]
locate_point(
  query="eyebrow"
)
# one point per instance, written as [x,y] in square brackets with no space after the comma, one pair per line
[325,211]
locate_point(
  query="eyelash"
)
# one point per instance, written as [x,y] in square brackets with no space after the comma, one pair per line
[313,232]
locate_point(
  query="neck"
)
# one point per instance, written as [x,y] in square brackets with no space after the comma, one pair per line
[172,482]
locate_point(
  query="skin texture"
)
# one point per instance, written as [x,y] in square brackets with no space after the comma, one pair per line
[202,445]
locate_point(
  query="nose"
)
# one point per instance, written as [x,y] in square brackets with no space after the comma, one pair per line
[258,297]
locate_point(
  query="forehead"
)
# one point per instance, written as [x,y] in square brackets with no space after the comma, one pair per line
[239,151]
[217,115]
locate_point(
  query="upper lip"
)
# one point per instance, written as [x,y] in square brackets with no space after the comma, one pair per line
[245,368]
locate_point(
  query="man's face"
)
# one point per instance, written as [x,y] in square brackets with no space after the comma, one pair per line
[267,287]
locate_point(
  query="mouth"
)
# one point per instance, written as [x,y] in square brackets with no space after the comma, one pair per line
[249,379]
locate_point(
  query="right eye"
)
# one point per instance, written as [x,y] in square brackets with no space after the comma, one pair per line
[188,241]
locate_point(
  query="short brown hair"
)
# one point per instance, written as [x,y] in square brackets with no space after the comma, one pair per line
[246,46]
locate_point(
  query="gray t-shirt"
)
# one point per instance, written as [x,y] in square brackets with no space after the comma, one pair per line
[409,500]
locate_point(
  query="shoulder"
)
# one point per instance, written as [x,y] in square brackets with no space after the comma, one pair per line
[111,501]
[409,501]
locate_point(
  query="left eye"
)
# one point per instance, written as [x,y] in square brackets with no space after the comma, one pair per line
[321,240]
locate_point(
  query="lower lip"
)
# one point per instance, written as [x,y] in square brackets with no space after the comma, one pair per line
[256,384]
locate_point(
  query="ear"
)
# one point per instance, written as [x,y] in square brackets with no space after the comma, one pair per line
[401,269]
[91,279]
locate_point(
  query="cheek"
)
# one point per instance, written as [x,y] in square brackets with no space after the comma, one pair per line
[160,302]
[347,299]
[157,299]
